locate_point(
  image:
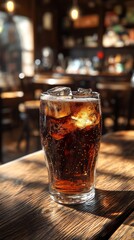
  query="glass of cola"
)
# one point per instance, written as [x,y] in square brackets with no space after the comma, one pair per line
[70,127]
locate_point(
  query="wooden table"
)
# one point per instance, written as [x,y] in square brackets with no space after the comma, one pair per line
[28,213]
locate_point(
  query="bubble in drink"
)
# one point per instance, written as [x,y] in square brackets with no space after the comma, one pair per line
[70,135]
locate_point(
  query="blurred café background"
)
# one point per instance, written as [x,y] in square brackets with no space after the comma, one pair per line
[76,43]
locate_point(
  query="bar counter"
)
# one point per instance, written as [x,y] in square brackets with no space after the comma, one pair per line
[28,213]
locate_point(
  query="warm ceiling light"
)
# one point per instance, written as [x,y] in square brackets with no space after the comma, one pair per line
[74,12]
[10,6]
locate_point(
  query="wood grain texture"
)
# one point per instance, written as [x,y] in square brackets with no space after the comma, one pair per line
[126,230]
[27,212]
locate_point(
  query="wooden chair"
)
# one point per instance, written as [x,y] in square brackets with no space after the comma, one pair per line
[115,99]
[9,115]
[10,102]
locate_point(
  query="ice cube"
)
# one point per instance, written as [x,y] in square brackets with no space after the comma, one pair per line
[81,120]
[86,117]
[83,92]
[60,91]
[57,109]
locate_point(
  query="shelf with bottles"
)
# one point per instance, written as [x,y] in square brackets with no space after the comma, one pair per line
[119,25]
[87,41]
[117,31]
[83,31]
[118,63]
[115,64]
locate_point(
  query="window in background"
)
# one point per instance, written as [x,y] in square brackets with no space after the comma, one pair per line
[16,45]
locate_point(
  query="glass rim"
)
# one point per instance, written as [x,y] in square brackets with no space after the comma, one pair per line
[70,98]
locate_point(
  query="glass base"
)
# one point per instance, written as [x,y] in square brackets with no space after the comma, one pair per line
[74,198]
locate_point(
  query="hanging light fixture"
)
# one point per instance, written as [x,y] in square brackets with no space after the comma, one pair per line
[74,11]
[10,6]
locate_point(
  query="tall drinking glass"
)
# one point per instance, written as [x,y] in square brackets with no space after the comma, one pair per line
[70,126]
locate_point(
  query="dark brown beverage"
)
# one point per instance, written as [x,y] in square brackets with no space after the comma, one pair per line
[70,135]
